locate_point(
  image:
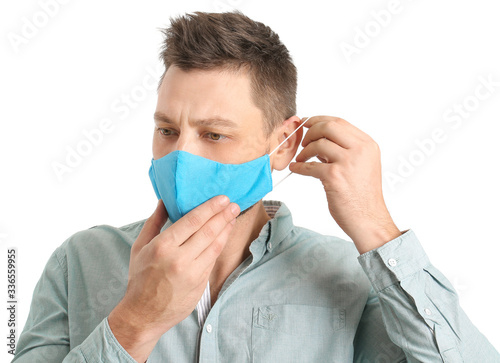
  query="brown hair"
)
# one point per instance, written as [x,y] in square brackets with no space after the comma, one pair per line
[232,41]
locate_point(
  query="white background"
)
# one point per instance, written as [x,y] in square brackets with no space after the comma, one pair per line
[65,78]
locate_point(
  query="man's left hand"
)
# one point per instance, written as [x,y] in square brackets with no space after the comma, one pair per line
[351,173]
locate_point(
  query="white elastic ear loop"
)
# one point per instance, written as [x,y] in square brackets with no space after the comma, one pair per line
[294,131]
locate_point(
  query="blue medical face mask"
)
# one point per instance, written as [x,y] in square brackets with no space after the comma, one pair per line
[184,180]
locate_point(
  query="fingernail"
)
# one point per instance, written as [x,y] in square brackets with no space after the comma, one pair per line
[223,200]
[235,209]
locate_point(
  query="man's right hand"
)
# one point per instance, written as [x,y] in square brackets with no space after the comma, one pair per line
[168,272]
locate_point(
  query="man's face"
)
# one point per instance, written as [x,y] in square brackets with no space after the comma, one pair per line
[210,114]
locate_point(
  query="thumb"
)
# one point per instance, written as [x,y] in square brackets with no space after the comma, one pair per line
[151,227]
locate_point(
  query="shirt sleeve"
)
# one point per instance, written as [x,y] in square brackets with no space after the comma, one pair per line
[419,308]
[371,342]
[45,336]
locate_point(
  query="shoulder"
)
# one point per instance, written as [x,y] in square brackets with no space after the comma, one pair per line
[329,255]
[332,245]
[99,240]
[323,260]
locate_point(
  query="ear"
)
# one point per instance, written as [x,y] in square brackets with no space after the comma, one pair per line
[286,152]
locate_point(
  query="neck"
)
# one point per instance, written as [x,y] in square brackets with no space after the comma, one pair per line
[246,230]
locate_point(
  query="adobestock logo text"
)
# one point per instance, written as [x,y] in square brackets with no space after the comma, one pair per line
[32,25]
[453,117]
[364,35]
[122,107]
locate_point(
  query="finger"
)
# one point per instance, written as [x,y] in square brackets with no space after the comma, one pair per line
[198,242]
[315,119]
[207,257]
[335,129]
[324,149]
[151,227]
[312,168]
[193,221]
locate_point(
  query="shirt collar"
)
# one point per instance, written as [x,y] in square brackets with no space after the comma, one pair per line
[274,231]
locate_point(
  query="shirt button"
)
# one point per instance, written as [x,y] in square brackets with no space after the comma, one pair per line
[392,262]
[427,311]
[209,328]
[270,245]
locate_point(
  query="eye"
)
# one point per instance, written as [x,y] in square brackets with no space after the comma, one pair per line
[165,132]
[214,136]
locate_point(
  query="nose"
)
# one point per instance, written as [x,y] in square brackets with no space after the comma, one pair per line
[187,142]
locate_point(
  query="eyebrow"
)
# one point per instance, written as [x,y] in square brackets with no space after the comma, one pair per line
[211,121]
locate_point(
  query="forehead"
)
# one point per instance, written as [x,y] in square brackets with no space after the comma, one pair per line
[207,93]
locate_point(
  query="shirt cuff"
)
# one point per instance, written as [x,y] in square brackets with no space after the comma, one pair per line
[394,261]
[102,346]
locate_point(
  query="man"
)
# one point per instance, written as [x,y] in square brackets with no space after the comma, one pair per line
[220,283]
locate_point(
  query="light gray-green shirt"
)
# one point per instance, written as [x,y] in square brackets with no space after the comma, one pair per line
[299,297]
